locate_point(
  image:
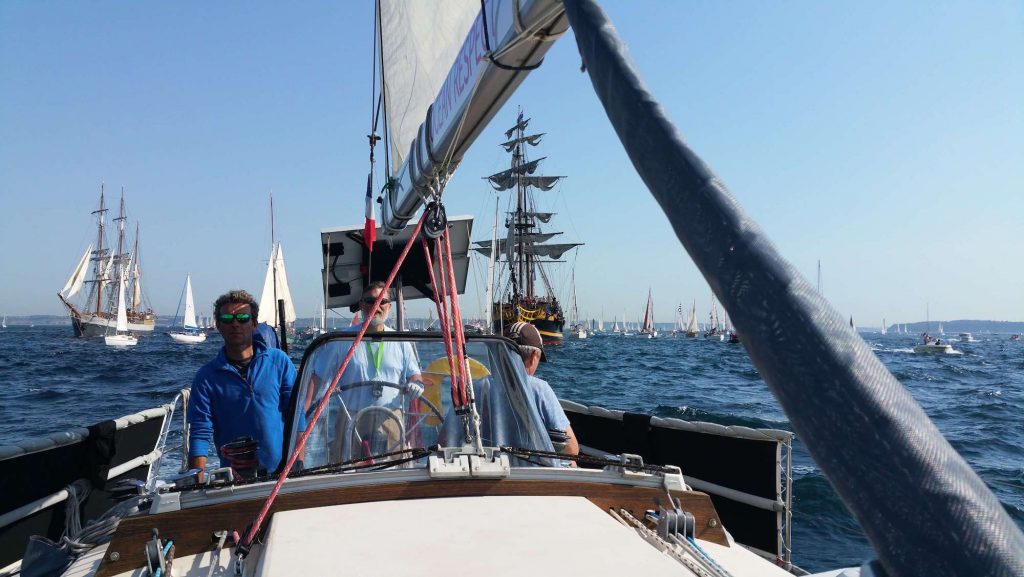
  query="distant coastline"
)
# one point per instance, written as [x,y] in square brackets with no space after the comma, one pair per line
[916,328]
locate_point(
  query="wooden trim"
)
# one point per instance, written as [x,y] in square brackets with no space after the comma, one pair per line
[192,529]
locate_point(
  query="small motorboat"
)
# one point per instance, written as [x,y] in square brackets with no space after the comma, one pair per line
[965,338]
[936,348]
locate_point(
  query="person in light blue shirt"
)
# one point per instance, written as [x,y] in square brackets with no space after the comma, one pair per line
[373,362]
[531,349]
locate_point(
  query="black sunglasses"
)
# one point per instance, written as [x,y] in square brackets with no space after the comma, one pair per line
[228,318]
[370,300]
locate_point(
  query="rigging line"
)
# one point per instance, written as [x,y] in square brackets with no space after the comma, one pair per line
[442,320]
[244,547]
[383,96]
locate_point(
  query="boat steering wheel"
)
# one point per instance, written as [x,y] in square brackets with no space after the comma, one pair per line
[385,414]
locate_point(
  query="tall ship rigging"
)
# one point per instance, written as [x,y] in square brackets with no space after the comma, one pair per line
[526,293]
[95,314]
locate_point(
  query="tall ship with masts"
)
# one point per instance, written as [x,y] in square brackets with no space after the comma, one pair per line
[525,290]
[95,313]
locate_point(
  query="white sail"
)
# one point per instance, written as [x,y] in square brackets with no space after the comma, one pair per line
[437,59]
[421,41]
[884,330]
[691,327]
[76,279]
[136,286]
[190,306]
[268,304]
[122,311]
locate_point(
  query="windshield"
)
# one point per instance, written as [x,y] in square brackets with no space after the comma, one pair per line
[377,408]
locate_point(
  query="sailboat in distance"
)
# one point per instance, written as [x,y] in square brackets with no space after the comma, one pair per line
[275,287]
[525,250]
[647,325]
[691,323]
[122,337]
[189,333]
[93,313]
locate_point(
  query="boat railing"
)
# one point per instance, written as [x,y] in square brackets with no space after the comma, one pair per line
[82,457]
[627,432]
[161,445]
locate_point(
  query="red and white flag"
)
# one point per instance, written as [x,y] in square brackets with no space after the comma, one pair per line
[370,227]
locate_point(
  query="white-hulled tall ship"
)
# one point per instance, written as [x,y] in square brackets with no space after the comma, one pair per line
[95,315]
[524,249]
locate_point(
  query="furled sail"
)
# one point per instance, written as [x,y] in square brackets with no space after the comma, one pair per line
[529,237]
[278,291]
[532,140]
[554,251]
[190,305]
[544,217]
[445,77]
[76,279]
[520,125]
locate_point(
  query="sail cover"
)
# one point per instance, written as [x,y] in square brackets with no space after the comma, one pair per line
[268,306]
[77,277]
[420,42]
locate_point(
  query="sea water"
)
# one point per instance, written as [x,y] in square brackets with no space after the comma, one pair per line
[51,381]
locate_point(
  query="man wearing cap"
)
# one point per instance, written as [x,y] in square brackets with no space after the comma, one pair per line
[531,349]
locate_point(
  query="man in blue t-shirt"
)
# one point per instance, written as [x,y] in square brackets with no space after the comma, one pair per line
[531,349]
[243,392]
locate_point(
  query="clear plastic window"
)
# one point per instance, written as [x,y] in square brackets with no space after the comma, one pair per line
[376,410]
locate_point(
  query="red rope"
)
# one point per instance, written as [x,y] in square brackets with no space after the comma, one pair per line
[466,385]
[251,535]
[442,318]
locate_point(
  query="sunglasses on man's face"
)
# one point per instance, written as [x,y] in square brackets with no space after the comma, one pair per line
[228,318]
[368,301]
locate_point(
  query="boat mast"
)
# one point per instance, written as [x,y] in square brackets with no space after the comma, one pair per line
[273,258]
[134,278]
[119,257]
[490,268]
[98,272]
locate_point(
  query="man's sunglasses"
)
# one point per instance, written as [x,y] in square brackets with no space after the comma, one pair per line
[370,300]
[228,318]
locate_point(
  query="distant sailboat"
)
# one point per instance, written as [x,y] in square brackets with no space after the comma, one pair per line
[941,332]
[93,313]
[678,327]
[578,329]
[275,287]
[691,325]
[189,333]
[121,338]
[647,326]
[4,324]
[714,331]
[885,331]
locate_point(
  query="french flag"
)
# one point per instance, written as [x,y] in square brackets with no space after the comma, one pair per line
[370,227]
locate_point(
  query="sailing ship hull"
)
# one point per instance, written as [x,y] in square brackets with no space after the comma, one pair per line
[546,316]
[98,326]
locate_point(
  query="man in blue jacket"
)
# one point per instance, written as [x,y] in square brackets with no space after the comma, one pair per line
[244,392]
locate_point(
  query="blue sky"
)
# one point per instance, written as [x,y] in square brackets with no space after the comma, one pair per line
[884,139]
